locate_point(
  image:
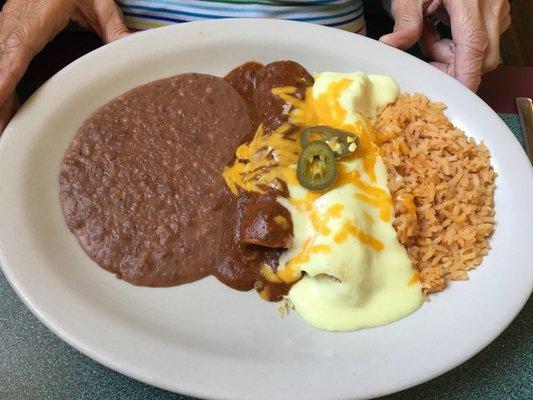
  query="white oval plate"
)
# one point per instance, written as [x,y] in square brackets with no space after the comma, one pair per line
[204,339]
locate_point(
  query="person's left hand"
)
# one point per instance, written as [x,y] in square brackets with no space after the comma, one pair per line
[476,28]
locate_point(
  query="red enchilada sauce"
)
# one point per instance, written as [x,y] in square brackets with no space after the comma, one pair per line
[141,185]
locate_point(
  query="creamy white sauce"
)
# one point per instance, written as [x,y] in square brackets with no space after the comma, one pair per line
[354,285]
[371,287]
[365,95]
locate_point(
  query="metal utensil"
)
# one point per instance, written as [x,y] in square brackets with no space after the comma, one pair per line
[525,112]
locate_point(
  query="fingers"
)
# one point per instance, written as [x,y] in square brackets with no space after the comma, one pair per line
[431,7]
[470,39]
[497,20]
[25,28]
[476,28]
[111,21]
[408,24]
[505,23]
[494,15]
[505,16]
[14,59]
[104,16]
[7,110]
[440,51]
[434,47]
[492,54]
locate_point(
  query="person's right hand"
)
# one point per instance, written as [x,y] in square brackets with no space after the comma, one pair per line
[26,26]
[476,28]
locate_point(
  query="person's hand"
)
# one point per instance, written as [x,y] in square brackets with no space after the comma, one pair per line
[476,28]
[26,26]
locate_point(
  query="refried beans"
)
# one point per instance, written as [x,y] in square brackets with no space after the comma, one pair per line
[141,185]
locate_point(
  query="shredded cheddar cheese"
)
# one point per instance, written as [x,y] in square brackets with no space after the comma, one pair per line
[320,248]
[269,274]
[326,108]
[319,222]
[265,293]
[407,200]
[305,203]
[265,161]
[283,90]
[335,210]
[384,204]
[293,101]
[288,273]
[354,230]
[415,279]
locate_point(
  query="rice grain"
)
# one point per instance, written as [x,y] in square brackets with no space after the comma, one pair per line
[449,177]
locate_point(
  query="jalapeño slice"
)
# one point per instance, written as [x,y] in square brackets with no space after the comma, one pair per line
[317,166]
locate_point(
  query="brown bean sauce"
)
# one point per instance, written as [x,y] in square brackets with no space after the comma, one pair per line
[141,185]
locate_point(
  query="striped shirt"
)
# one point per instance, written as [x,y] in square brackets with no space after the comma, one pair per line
[343,14]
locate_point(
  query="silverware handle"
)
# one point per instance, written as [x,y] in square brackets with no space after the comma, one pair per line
[525,112]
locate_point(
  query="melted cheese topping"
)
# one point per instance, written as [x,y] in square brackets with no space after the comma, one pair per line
[356,93]
[350,270]
[365,278]
[266,160]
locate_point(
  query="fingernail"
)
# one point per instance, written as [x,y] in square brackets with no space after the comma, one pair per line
[385,39]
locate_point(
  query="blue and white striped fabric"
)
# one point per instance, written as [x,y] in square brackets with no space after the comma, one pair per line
[342,14]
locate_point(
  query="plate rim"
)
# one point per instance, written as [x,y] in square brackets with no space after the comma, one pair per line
[18,287]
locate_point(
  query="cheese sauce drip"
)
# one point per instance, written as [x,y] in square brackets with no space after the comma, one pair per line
[365,278]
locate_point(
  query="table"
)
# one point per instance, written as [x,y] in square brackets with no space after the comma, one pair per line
[35,364]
